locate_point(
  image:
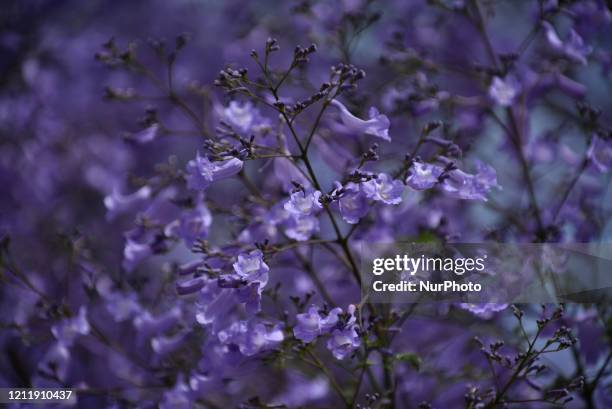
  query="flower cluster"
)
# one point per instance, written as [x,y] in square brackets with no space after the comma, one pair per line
[344,338]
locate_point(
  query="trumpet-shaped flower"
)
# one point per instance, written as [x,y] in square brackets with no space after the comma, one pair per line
[504,91]
[423,175]
[343,342]
[252,336]
[376,125]
[201,172]
[116,203]
[311,324]
[67,330]
[244,117]
[252,267]
[353,204]
[383,188]
[301,228]
[303,202]
[472,187]
[573,48]
[192,225]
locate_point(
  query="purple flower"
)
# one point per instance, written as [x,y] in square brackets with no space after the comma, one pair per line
[135,252]
[569,86]
[471,187]
[243,117]
[377,124]
[343,342]
[67,330]
[215,305]
[56,360]
[190,286]
[146,135]
[190,267]
[252,268]
[573,48]
[353,204]
[201,172]
[303,202]
[423,175]
[600,154]
[259,231]
[192,225]
[252,336]
[250,296]
[384,189]
[504,91]
[311,324]
[259,337]
[301,228]
[116,203]
[148,325]
[122,306]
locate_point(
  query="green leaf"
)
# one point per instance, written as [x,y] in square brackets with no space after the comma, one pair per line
[411,358]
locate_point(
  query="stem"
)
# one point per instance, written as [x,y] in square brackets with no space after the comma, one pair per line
[304,157]
[515,135]
[316,123]
[602,369]
[570,186]
[360,379]
[500,394]
[341,240]
[526,174]
[285,76]
[329,375]
[171,95]
[480,22]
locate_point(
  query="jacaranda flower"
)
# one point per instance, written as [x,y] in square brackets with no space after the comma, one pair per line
[504,91]
[345,340]
[311,324]
[201,172]
[423,176]
[377,124]
[192,225]
[67,330]
[353,204]
[116,203]
[384,189]
[303,202]
[244,117]
[573,48]
[252,267]
[252,336]
[301,228]
[146,135]
[472,187]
